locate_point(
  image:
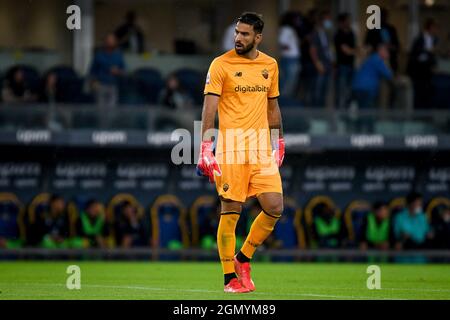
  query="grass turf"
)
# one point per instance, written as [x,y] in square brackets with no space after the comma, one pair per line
[157,280]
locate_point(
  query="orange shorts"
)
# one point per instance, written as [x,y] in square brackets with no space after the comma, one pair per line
[246,174]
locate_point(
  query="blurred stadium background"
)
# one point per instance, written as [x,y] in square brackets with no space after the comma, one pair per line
[85,168]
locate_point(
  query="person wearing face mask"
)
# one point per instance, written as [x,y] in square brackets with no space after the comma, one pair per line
[321,56]
[411,227]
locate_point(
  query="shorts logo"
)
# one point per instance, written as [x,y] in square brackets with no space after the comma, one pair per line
[265,73]
[225,187]
[238,74]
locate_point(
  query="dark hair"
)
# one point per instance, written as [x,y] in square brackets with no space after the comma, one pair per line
[324,13]
[131,15]
[288,18]
[378,205]
[413,196]
[443,209]
[125,203]
[54,197]
[323,208]
[90,203]
[429,23]
[342,17]
[254,19]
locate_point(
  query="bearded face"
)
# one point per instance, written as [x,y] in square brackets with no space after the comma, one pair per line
[245,38]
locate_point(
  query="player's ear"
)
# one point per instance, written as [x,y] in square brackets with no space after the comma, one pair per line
[258,38]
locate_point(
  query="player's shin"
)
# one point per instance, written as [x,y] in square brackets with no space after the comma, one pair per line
[261,228]
[226,240]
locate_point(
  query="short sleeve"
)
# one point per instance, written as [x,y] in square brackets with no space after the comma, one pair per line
[214,79]
[274,91]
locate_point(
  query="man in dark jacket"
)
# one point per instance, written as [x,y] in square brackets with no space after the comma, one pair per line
[421,63]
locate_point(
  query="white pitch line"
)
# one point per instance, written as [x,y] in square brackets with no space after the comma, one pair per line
[393,289]
[210,291]
[216,292]
[252,293]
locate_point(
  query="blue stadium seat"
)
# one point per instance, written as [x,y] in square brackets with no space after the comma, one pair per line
[354,216]
[69,84]
[128,91]
[168,217]
[193,81]
[63,72]
[11,218]
[433,207]
[149,84]
[200,210]
[441,98]
[37,207]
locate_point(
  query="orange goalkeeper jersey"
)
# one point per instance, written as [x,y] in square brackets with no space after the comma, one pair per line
[244,87]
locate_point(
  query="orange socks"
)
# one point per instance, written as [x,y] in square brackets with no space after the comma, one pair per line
[226,240]
[261,228]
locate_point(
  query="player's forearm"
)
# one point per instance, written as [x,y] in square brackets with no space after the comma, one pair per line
[208,116]
[274,118]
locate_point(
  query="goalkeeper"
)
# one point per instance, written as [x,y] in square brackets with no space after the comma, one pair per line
[242,85]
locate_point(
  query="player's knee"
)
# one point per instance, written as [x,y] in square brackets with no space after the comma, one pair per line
[274,209]
[228,206]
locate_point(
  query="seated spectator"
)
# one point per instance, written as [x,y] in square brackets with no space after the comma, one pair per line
[441,229]
[411,227]
[174,95]
[327,228]
[16,89]
[129,228]
[367,80]
[53,224]
[91,225]
[108,65]
[376,228]
[49,92]
[129,35]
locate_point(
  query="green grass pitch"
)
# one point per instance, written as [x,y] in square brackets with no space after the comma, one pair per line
[189,280]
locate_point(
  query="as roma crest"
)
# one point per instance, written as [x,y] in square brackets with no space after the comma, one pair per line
[265,73]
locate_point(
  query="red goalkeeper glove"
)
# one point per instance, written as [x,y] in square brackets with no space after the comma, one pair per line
[279,151]
[207,163]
